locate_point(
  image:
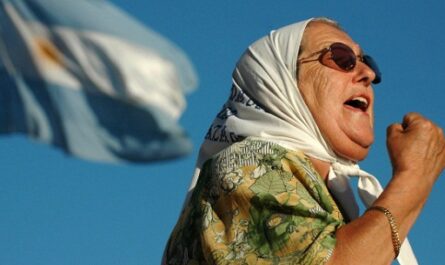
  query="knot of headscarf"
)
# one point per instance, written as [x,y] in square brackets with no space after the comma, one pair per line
[265,102]
[369,187]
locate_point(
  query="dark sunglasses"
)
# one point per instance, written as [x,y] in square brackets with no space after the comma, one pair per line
[344,59]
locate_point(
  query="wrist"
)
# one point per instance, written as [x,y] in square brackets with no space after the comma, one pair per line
[412,181]
[404,198]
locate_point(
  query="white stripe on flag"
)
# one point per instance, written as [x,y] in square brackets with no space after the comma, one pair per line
[143,76]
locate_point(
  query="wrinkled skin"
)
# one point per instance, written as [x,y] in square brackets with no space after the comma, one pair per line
[416,147]
[349,131]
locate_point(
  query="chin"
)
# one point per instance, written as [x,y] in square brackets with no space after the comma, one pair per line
[359,147]
[357,153]
[353,147]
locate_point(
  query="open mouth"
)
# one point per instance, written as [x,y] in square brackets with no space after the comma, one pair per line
[359,103]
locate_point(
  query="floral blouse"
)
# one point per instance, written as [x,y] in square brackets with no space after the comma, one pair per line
[256,203]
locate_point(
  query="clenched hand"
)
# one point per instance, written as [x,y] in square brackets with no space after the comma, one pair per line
[416,147]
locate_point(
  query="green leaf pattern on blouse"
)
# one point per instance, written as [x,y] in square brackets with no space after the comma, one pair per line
[256,203]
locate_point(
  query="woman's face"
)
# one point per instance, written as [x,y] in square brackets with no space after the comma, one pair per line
[329,94]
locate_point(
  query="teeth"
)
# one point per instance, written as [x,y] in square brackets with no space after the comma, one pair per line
[362,100]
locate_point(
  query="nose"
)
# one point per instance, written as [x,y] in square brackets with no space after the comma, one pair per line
[363,74]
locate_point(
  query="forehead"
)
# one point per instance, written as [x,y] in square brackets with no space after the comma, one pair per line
[319,35]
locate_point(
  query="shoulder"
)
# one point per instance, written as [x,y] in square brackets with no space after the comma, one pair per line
[253,152]
[254,160]
[256,167]
[257,201]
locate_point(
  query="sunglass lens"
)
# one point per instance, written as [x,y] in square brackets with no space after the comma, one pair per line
[373,65]
[343,56]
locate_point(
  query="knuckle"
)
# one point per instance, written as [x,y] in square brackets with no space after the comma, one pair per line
[391,129]
[411,118]
[426,124]
[413,115]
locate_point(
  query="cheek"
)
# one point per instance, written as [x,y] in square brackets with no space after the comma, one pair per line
[313,88]
[323,98]
[328,100]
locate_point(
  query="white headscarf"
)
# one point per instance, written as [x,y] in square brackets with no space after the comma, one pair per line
[266,102]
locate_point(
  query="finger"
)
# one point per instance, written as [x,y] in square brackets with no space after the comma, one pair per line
[440,131]
[410,119]
[394,128]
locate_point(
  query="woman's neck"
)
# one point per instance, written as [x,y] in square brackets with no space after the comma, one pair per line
[322,167]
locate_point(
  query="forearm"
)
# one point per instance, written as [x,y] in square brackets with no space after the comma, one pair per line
[367,240]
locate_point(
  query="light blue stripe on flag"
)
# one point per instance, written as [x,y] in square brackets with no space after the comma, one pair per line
[84,76]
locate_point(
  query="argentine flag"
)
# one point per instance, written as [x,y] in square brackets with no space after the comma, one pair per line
[84,76]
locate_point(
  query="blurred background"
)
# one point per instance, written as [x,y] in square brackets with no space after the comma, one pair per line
[56,209]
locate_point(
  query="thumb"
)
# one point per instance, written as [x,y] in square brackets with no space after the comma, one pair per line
[394,128]
[410,118]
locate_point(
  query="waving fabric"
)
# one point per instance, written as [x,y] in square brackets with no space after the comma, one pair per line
[84,76]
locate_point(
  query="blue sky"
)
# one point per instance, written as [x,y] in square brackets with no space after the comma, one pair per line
[56,209]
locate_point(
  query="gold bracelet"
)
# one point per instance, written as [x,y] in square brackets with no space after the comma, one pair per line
[392,224]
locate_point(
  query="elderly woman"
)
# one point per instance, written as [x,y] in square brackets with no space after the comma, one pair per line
[271,185]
